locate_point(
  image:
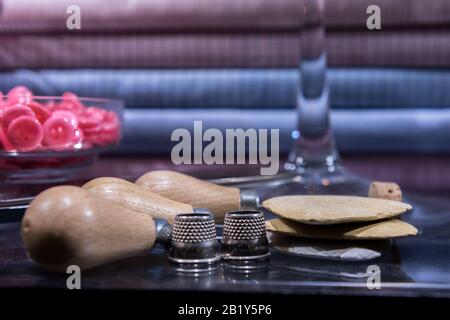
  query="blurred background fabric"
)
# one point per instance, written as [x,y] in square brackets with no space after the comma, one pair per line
[150,16]
[240,88]
[234,64]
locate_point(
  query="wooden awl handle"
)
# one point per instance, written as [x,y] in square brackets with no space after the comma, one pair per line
[68,225]
[198,193]
[128,195]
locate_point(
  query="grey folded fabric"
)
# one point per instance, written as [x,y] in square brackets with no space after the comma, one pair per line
[394,13]
[357,131]
[389,88]
[239,88]
[152,51]
[167,88]
[32,16]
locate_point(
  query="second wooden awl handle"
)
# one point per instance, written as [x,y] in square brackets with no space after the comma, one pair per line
[133,197]
[196,192]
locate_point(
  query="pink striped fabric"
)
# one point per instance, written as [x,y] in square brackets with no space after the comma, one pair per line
[33,16]
[394,13]
[408,48]
[158,51]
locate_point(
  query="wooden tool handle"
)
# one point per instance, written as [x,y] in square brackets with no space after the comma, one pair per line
[136,198]
[67,225]
[198,193]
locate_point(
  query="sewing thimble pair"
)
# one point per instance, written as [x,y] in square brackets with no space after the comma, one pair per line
[194,238]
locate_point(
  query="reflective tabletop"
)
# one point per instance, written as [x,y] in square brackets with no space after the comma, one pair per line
[417,266]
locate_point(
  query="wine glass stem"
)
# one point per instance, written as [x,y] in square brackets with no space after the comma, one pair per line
[314,147]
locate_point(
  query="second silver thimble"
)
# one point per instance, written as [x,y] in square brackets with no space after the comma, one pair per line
[194,239]
[244,236]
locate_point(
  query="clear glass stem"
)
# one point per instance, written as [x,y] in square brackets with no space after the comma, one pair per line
[313,166]
[314,147]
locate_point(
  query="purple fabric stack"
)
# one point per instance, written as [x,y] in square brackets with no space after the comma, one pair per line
[150,34]
[414,33]
[216,33]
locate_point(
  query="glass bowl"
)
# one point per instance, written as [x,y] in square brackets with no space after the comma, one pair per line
[50,163]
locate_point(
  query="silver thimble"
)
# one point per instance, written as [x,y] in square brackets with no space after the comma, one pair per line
[244,236]
[194,239]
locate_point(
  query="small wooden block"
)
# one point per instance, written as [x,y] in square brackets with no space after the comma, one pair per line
[385,190]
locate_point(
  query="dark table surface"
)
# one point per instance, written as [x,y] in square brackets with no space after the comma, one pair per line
[417,266]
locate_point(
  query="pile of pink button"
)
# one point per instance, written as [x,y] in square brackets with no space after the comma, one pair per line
[66,124]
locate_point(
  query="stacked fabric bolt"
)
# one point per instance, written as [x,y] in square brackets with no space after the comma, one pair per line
[414,33]
[174,63]
[150,34]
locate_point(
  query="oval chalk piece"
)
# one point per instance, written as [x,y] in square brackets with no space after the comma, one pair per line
[374,230]
[15,111]
[328,209]
[25,133]
[59,133]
